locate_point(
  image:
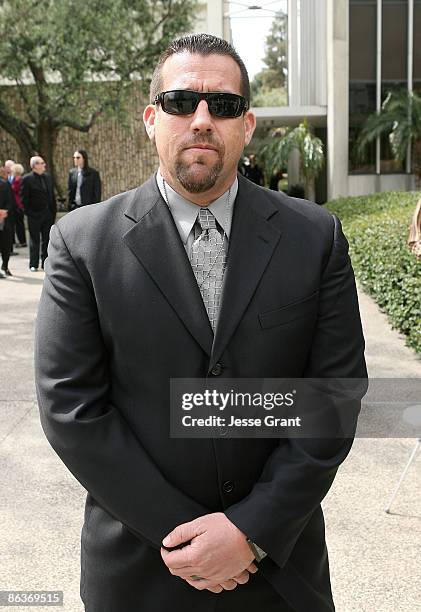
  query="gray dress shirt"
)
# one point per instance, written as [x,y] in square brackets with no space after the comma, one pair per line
[185,214]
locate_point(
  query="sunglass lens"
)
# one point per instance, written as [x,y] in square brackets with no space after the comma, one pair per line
[184,102]
[225,105]
[180,102]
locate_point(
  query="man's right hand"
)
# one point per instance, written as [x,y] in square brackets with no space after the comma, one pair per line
[230,585]
[3,213]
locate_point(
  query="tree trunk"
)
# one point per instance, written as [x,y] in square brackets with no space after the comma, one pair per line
[26,151]
[47,135]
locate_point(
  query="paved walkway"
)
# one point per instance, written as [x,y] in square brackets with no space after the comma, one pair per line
[375,557]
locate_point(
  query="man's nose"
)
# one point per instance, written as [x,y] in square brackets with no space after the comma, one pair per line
[202,119]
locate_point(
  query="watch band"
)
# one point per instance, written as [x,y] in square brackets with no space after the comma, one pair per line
[258,553]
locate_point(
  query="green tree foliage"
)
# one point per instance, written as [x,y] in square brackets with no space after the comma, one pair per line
[273,78]
[73,60]
[277,148]
[400,118]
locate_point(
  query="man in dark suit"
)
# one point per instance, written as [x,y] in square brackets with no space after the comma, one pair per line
[7,205]
[37,194]
[216,525]
[84,183]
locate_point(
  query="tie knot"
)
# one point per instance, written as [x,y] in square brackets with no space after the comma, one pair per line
[206,219]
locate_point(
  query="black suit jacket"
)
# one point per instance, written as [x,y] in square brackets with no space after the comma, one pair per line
[37,200]
[7,202]
[121,314]
[7,198]
[90,190]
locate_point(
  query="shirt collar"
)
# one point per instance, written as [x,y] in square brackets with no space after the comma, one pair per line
[185,212]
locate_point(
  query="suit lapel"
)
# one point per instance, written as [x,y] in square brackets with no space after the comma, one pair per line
[155,241]
[252,242]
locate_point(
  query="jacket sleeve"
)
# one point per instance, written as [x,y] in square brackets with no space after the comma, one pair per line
[3,196]
[7,198]
[53,196]
[24,193]
[82,424]
[97,187]
[70,191]
[299,473]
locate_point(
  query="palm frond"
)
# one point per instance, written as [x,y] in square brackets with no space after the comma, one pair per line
[276,149]
[399,118]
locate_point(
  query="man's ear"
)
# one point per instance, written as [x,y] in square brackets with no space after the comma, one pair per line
[249,126]
[149,116]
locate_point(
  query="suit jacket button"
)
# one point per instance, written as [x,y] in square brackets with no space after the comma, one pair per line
[228,486]
[217,369]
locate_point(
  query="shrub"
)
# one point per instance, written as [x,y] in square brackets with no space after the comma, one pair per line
[377,229]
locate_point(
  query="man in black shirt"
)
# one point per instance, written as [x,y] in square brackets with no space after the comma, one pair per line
[40,207]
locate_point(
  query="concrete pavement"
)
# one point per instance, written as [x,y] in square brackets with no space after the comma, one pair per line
[375,557]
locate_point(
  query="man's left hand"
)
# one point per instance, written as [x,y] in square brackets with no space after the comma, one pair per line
[216,551]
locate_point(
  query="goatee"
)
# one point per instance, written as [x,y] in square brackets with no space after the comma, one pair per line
[193,183]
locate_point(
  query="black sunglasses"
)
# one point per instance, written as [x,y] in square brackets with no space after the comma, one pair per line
[185,102]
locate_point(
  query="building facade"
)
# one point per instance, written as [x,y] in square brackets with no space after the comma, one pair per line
[344,57]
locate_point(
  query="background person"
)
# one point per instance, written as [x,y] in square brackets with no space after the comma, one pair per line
[39,202]
[253,171]
[17,173]
[414,238]
[7,205]
[8,164]
[84,183]
[274,180]
[11,219]
[3,216]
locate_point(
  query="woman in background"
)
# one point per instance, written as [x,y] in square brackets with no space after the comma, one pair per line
[414,238]
[17,173]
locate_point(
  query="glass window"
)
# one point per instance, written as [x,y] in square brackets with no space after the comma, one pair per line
[362,78]
[394,67]
[417,46]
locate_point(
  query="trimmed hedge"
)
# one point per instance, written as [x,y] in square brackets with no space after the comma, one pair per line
[377,228]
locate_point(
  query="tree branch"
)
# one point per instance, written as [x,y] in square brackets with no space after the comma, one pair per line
[14,126]
[40,84]
[80,127]
[25,100]
[19,131]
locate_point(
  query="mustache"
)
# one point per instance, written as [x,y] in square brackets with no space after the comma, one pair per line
[203,139]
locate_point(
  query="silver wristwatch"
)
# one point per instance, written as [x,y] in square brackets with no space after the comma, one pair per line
[258,553]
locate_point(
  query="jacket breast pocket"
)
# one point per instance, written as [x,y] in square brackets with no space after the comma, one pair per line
[290,312]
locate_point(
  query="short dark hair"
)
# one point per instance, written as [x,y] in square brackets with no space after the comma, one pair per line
[202,44]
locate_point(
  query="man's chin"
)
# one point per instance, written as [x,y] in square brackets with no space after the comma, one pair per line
[198,178]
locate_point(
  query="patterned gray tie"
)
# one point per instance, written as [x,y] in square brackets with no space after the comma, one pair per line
[208,260]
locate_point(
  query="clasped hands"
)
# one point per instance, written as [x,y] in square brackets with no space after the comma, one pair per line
[216,555]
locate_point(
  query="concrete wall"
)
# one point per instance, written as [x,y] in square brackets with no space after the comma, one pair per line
[123,154]
[364,184]
[313,53]
[307,68]
[210,19]
[338,103]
